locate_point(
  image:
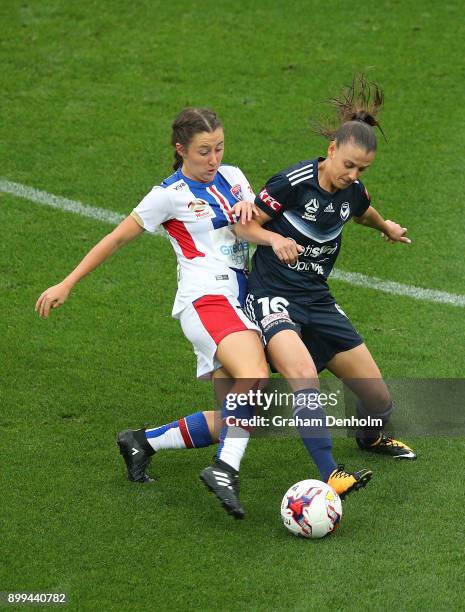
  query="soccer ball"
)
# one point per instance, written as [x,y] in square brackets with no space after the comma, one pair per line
[311,509]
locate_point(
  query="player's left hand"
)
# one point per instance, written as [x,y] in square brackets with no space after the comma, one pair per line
[245,211]
[395,232]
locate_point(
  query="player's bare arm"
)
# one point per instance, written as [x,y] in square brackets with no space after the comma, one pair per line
[55,296]
[286,249]
[391,231]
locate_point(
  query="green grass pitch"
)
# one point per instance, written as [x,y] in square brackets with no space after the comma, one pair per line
[88,92]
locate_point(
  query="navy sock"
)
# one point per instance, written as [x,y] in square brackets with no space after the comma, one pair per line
[189,432]
[315,437]
[197,426]
[369,434]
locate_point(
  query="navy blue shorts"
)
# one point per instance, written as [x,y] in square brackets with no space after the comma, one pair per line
[323,326]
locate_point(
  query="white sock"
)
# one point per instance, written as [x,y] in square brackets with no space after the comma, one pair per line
[169,439]
[234,446]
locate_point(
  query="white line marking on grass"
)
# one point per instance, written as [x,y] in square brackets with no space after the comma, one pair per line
[418,293]
[48,199]
[108,216]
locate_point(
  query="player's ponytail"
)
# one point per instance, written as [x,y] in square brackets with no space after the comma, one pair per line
[357,108]
[188,123]
[177,160]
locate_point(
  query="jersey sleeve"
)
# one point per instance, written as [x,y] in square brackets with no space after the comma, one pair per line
[274,197]
[363,199]
[239,185]
[247,191]
[153,210]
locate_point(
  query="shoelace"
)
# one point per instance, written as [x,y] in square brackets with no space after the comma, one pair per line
[341,473]
[390,441]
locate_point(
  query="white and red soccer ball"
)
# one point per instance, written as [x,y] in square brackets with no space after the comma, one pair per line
[311,509]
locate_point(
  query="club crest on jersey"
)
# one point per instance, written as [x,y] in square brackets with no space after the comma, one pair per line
[345,211]
[200,208]
[236,191]
[311,208]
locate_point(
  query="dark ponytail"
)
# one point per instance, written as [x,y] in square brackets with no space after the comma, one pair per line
[188,123]
[177,160]
[357,109]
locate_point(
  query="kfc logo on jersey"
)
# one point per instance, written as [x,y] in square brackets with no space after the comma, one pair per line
[200,208]
[311,208]
[345,211]
[236,191]
[269,200]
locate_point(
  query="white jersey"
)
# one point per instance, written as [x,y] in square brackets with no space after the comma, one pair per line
[198,218]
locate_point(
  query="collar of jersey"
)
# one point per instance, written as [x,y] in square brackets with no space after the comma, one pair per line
[193,183]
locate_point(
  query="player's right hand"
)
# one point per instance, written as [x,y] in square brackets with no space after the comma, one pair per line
[53,297]
[286,249]
[244,211]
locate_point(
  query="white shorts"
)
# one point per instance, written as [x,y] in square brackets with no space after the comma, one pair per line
[206,321]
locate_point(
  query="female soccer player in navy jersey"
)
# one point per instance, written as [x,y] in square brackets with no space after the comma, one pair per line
[198,206]
[303,327]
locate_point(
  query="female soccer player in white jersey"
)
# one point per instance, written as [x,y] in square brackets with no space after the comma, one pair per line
[198,206]
[309,203]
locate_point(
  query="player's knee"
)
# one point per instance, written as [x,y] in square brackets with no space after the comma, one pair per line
[299,371]
[378,400]
[262,372]
[258,372]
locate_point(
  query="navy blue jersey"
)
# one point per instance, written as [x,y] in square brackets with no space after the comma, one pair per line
[313,217]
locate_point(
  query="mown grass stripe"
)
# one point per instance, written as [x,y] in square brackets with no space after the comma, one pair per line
[108,216]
